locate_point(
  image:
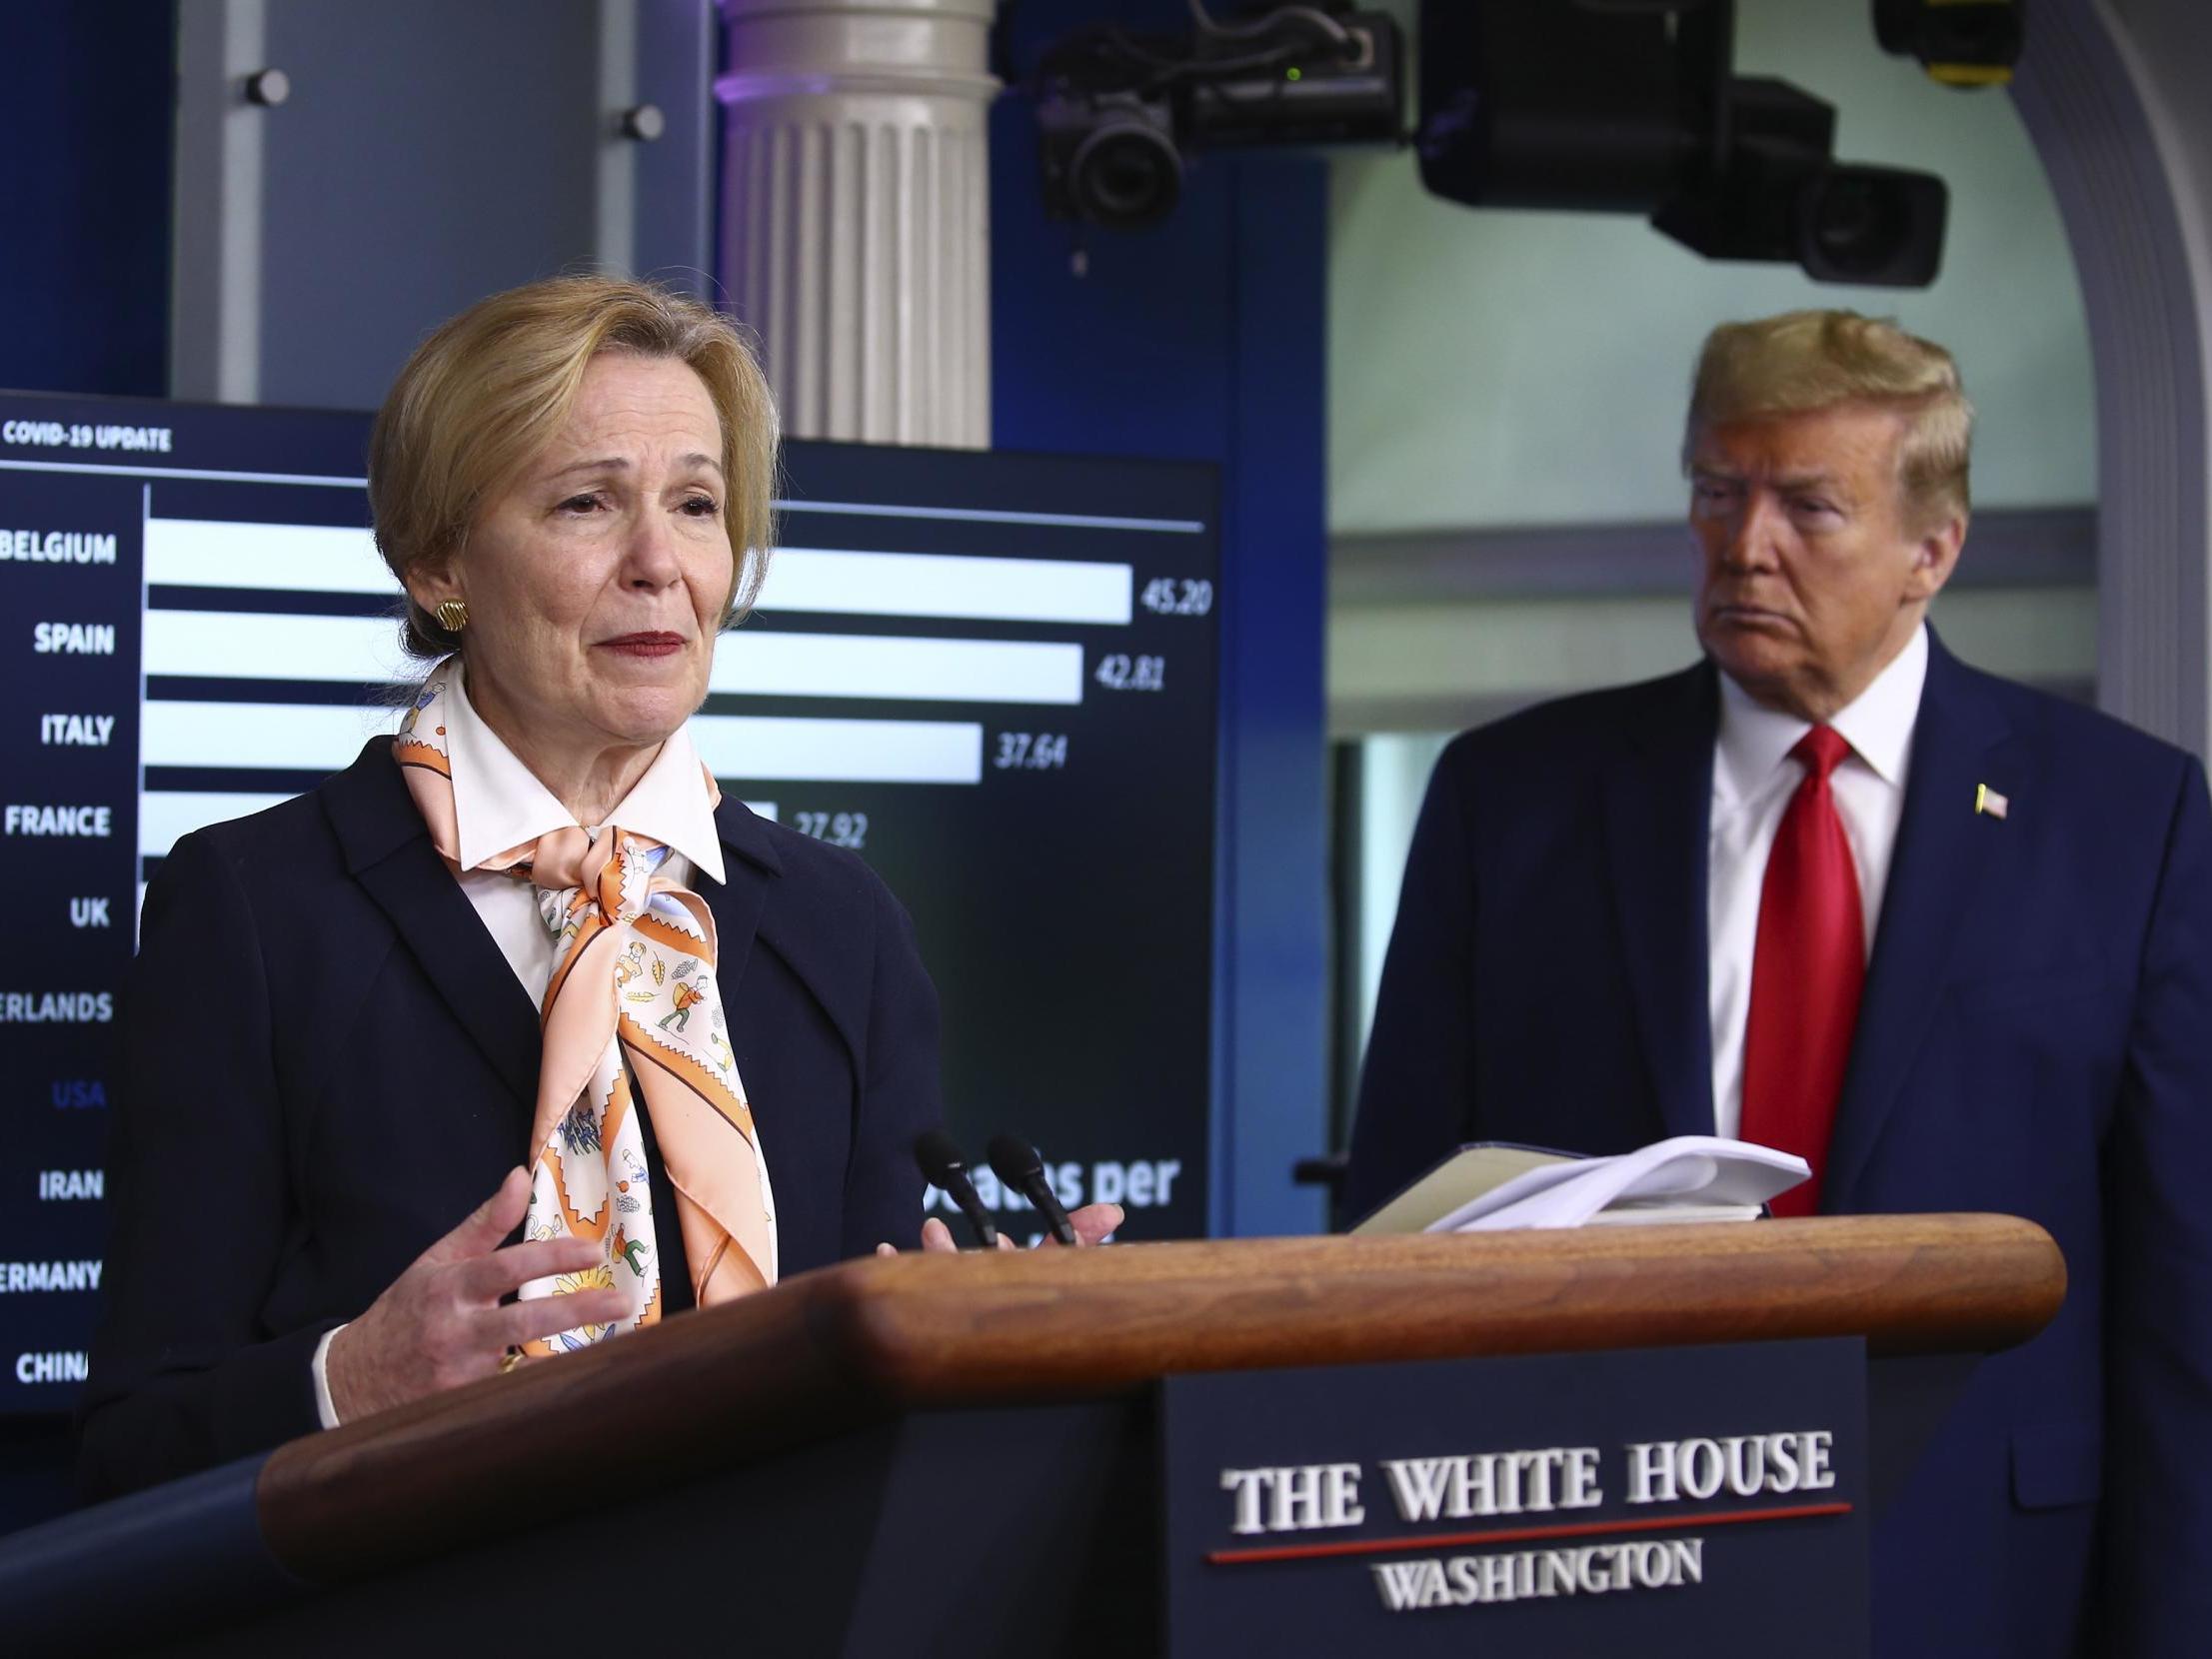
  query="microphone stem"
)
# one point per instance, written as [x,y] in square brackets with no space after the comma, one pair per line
[1039,1193]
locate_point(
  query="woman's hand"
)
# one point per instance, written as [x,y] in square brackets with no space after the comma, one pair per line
[441,1324]
[1092,1224]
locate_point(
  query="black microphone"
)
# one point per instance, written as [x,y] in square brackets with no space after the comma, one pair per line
[943,1165]
[1016,1162]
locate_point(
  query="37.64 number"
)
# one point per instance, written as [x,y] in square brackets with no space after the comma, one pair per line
[1031,752]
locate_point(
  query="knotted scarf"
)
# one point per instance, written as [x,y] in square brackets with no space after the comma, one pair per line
[631,1016]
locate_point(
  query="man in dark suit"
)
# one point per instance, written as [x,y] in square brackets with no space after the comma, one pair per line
[1833,889]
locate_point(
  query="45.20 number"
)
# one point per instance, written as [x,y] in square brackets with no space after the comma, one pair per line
[1173,597]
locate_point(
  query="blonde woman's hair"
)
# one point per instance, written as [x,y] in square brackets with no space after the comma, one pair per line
[487,393]
[1805,361]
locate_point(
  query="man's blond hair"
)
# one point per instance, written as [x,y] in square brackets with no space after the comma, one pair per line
[487,393]
[1805,361]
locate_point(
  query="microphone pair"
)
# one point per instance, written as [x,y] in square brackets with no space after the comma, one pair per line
[1017,1165]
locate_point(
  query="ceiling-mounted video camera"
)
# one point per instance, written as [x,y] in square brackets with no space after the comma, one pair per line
[1633,106]
[1776,195]
[1604,106]
[1119,112]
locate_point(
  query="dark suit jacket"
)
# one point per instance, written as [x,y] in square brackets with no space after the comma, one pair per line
[2035,1038]
[326,1063]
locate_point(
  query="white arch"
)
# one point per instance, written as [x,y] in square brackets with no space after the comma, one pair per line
[2109,119]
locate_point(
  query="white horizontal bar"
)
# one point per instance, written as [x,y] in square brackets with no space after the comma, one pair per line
[759,663]
[316,558]
[876,509]
[947,585]
[210,472]
[993,516]
[252,645]
[208,552]
[756,748]
[166,816]
[295,736]
[763,749]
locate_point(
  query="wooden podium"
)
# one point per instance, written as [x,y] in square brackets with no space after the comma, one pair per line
[939,1453]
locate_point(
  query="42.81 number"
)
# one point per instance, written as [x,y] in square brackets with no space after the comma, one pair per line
[1120,672]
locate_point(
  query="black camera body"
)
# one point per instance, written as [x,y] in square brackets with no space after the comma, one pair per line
[1118,114]
[1631,106]
[1597,106]
[1111,158]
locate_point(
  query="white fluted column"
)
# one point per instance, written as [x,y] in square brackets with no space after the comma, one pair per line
[856,224]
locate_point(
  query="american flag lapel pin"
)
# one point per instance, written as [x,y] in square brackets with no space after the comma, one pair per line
[1987,799]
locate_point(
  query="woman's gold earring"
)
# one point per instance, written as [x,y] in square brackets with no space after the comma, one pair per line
[453,615]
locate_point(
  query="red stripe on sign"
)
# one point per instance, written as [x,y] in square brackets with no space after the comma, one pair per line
[1517,1535]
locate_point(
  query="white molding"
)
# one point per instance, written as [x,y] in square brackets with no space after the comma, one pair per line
[615,204]
[855,213]
[216,249]
[2092,105]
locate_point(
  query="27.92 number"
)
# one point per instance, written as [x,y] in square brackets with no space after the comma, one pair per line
[837,828]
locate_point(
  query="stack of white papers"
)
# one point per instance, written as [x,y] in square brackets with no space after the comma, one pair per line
[1493,1186]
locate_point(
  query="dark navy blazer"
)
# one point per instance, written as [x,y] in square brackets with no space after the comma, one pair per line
[326,1063]
[2035,1038]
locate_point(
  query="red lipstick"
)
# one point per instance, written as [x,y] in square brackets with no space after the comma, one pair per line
[644,645]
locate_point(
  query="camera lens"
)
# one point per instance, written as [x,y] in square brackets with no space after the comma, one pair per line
[1857,225]
[1875,225]
[1125,173]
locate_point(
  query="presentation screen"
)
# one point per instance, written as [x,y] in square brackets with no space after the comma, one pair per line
[992,676]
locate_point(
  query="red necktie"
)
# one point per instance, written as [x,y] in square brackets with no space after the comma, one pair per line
[1806,972]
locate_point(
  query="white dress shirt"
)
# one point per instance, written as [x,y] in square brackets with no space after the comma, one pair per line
[1753,780]
[498,804]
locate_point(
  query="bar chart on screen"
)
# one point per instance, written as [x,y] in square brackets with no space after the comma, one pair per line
[249,703]
[991,677]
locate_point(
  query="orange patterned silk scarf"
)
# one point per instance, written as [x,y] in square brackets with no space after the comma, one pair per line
[632,1009]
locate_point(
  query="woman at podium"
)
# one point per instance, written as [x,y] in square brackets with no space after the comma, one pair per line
[516,1033]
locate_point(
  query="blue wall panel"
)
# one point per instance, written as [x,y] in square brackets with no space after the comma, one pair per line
[1203,339]
[1275,556]
[84,196]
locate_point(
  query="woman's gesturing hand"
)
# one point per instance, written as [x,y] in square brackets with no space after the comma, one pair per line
[441,1324]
